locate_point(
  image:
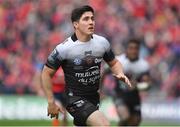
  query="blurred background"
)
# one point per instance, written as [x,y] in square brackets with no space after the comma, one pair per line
[30,30]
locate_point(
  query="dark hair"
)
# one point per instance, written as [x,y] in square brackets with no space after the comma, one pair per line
[134,41]
[78,12]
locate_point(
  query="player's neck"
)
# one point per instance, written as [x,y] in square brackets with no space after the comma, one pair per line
[82,37]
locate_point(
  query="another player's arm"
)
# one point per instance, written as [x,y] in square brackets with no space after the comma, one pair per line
[146,77]
[117,70]
[144,82]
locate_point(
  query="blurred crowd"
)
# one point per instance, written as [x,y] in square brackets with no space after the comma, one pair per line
[30,29]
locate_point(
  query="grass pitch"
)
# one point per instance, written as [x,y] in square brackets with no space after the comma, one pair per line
[70,123]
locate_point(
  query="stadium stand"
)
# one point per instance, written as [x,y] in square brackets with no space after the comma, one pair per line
[30,29]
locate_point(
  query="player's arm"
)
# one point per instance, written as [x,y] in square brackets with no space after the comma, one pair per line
[114,64]
[144,81]
[117,70]
[53,109]
[52,64]
[145,77]
[47,74]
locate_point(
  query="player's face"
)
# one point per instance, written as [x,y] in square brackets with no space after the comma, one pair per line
[133,51]
[86,23]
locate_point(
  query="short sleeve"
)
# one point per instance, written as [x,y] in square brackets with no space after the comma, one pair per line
[108,55]
[54,61]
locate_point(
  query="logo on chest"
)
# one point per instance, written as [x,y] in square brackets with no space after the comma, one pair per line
[89,59]
[77,61]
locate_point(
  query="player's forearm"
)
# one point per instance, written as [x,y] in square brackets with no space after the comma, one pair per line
[116,67]
[47,86]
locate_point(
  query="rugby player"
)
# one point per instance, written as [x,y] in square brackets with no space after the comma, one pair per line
[80,57]
[128,102]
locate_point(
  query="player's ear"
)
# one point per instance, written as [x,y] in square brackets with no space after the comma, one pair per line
[75,24]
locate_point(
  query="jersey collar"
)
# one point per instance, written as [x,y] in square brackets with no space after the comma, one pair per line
[74,37]
[134,60]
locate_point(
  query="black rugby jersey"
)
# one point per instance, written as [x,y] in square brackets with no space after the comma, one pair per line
[81,63]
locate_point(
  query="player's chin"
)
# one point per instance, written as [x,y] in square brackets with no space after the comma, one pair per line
[90,32]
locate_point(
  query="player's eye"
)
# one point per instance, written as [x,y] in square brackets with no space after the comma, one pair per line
[86,18]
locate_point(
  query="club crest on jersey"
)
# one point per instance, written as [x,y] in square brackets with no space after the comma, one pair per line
[89,60]
[77,61]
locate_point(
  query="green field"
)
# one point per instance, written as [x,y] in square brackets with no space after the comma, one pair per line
[49,123]
[34,107]
[25,123]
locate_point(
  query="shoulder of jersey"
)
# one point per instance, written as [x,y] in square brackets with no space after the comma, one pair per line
[121,57]
[98,37]
[65,44]
[144,62]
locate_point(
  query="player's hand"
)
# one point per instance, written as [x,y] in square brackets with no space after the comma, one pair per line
[123,78]
[53,110]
